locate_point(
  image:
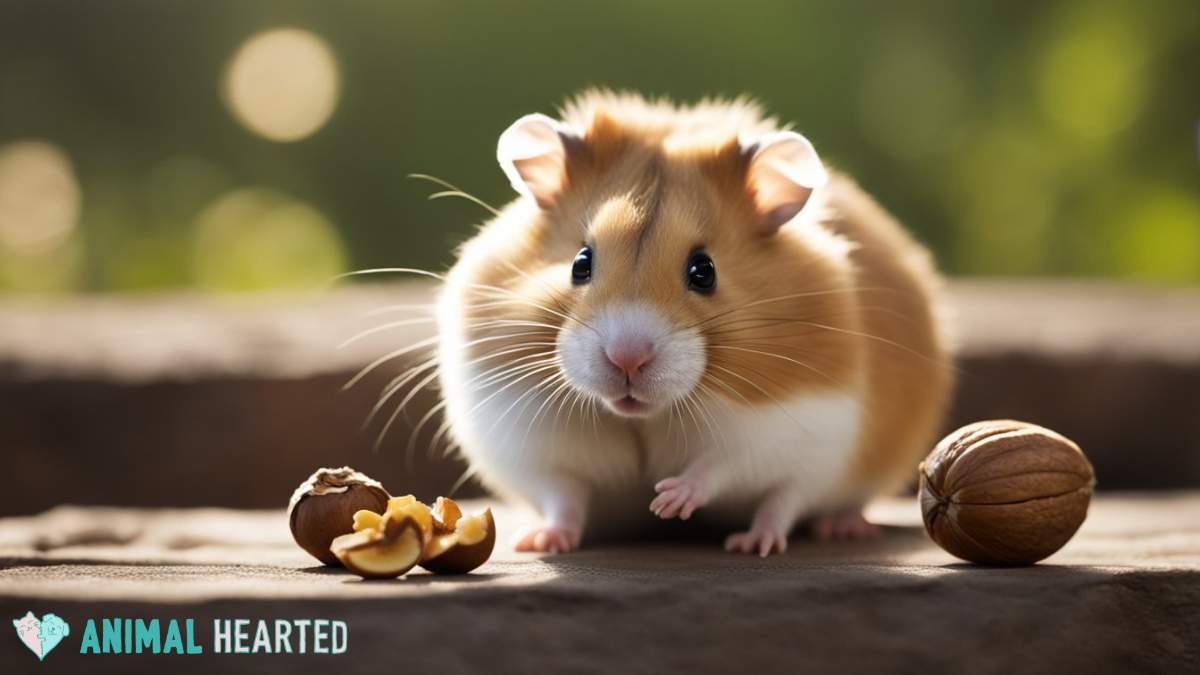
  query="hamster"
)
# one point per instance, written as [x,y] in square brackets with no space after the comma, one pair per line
[683,310]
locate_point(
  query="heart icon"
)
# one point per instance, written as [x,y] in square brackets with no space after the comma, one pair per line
[41,636]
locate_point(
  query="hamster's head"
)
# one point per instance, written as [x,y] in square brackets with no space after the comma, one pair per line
[660,259]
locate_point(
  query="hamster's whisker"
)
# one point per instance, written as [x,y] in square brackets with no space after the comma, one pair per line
[794,296]
[678,406]
[412,393]
[549,399]
[670,416]
[463,195]
[595,416]
[555,294]
[580,399]
[764,392]
[440,277]
[758,410]
[388,309]
[553,377]
[707,416]
[515,354]
[687,406]
[558,413]
[502,336]
[427,342]
[783,358]
[487,356]
[836,382]
[749,322]
[502,372]
[515,374]
[712,394]
[396,385]
[384,327]
[494,394]
[509,293]
[729,388]
[517,296]
[467,474]
[541,282]
[883,340]
[491,323]
[820,326]
[388,270]
[768,321]
[806,356]
[439,436]
[453,190]
[780,298]
[708,392]
[753,384]
[428,307]
[890,311]
[411,446]
[690,399]
[736,361]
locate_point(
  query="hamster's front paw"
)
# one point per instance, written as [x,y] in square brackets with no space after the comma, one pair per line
[678,496]
[549,539]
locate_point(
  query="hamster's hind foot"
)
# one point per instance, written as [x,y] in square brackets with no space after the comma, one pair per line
[549,539]
[844,525]
[763,540]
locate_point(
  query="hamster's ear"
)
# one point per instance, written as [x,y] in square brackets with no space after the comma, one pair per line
[533,154]
[782,173]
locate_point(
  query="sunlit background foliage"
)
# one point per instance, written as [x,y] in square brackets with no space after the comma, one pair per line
[234,145]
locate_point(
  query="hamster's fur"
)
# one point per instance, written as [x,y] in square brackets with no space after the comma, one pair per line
[587,367]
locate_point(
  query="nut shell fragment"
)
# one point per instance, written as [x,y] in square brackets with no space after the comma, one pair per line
[445,515]
[465,549]
[1004,492]
[381,554]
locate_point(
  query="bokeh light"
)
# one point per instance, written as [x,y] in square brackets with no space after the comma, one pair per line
[39,197]
[254,239]
[39,217]
[1043,139]
[282,84]
[1160,236]
[1092,78]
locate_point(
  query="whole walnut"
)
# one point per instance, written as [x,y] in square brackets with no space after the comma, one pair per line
[1003,492]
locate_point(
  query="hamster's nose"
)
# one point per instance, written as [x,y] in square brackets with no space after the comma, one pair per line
[630,358]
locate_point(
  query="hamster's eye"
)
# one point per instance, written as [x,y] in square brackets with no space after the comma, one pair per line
[581,268]
[701,273]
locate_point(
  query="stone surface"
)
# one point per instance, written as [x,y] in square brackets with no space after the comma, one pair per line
[1123,596]
[124,400]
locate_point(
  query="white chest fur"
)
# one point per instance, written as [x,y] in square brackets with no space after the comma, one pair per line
[804,444]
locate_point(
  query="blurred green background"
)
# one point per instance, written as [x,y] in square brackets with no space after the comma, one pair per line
[234,145]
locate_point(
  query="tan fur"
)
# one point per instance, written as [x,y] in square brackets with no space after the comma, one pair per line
[652,182]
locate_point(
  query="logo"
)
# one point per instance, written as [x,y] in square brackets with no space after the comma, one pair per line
[41,635]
